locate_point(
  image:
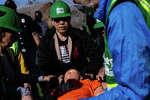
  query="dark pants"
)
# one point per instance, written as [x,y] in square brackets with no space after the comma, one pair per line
[48,87]
[9,91]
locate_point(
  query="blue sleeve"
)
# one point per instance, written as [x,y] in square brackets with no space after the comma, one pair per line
[129,44]
[101,10]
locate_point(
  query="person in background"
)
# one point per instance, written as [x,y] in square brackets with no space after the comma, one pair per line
[26,42]
[64,46]
[98,34]
[40,24]
[130,63]
[11,4]
[93,27]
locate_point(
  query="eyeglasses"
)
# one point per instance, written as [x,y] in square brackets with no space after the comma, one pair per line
[61,19]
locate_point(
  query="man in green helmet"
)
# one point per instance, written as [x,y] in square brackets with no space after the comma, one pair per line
[10,72]
[64,46]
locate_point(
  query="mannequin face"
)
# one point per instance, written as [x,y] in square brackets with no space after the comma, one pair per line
[72,74]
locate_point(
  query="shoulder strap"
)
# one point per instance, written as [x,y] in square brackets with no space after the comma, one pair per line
[144,6]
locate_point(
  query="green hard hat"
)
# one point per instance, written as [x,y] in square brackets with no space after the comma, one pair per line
[9,19]
[98,24]
[59,9]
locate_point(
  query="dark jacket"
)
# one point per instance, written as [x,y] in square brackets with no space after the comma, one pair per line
[9,66]
[84,55]
[10,76]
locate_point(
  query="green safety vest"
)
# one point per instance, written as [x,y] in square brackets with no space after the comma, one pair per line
[15,48]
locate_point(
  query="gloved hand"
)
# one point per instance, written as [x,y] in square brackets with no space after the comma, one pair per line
[24,91]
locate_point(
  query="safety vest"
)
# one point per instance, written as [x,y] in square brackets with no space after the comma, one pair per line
[109,76]
[144,6]
[17,53]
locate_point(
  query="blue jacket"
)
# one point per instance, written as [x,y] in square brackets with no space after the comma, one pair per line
[129,44]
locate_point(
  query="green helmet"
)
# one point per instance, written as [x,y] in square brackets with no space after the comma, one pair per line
[59,9]
[8,19]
